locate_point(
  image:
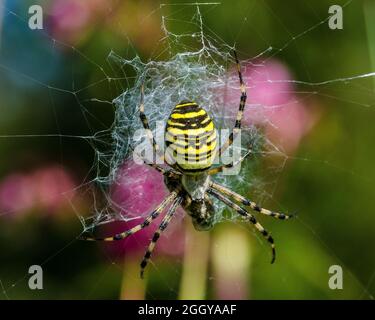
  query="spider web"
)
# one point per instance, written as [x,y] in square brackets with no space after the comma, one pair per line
[193,61]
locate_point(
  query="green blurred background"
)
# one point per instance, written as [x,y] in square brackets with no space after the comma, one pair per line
[328,179]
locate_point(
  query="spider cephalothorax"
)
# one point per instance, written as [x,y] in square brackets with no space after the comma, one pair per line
[195,201]
[191,149]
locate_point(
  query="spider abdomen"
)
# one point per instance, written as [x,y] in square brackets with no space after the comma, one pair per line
[191,137]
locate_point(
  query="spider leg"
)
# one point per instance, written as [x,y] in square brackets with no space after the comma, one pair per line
[162,170]
[163,225]
[248,216]
[146,126]
[227,166]
[159,168]
[237,126]
[237,197]
[152,216]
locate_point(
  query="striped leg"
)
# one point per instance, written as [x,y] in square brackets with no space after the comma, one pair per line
[152,216]
[247,202]
[237,126]
[146,126]
[248,216]
[157,167]
[228,166]
[163,225]
[162,170]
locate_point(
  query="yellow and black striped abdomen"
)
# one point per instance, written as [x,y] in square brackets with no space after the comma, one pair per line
[191,137]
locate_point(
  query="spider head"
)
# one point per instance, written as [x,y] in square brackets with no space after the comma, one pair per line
[203,225]
[202,214]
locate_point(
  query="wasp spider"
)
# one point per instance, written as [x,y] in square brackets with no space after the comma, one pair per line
[190,139]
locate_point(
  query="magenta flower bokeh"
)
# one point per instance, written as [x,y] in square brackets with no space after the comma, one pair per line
[71,20]
[47,189]
[273,104]
[138,190]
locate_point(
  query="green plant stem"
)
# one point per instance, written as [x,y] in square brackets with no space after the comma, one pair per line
[132,286]
[231,257]
[195,265]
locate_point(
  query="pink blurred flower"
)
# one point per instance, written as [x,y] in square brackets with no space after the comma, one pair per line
[138,189]
[43,189]
[273,104]
[53,186]
[70,19]
[16,194]
[137,192]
